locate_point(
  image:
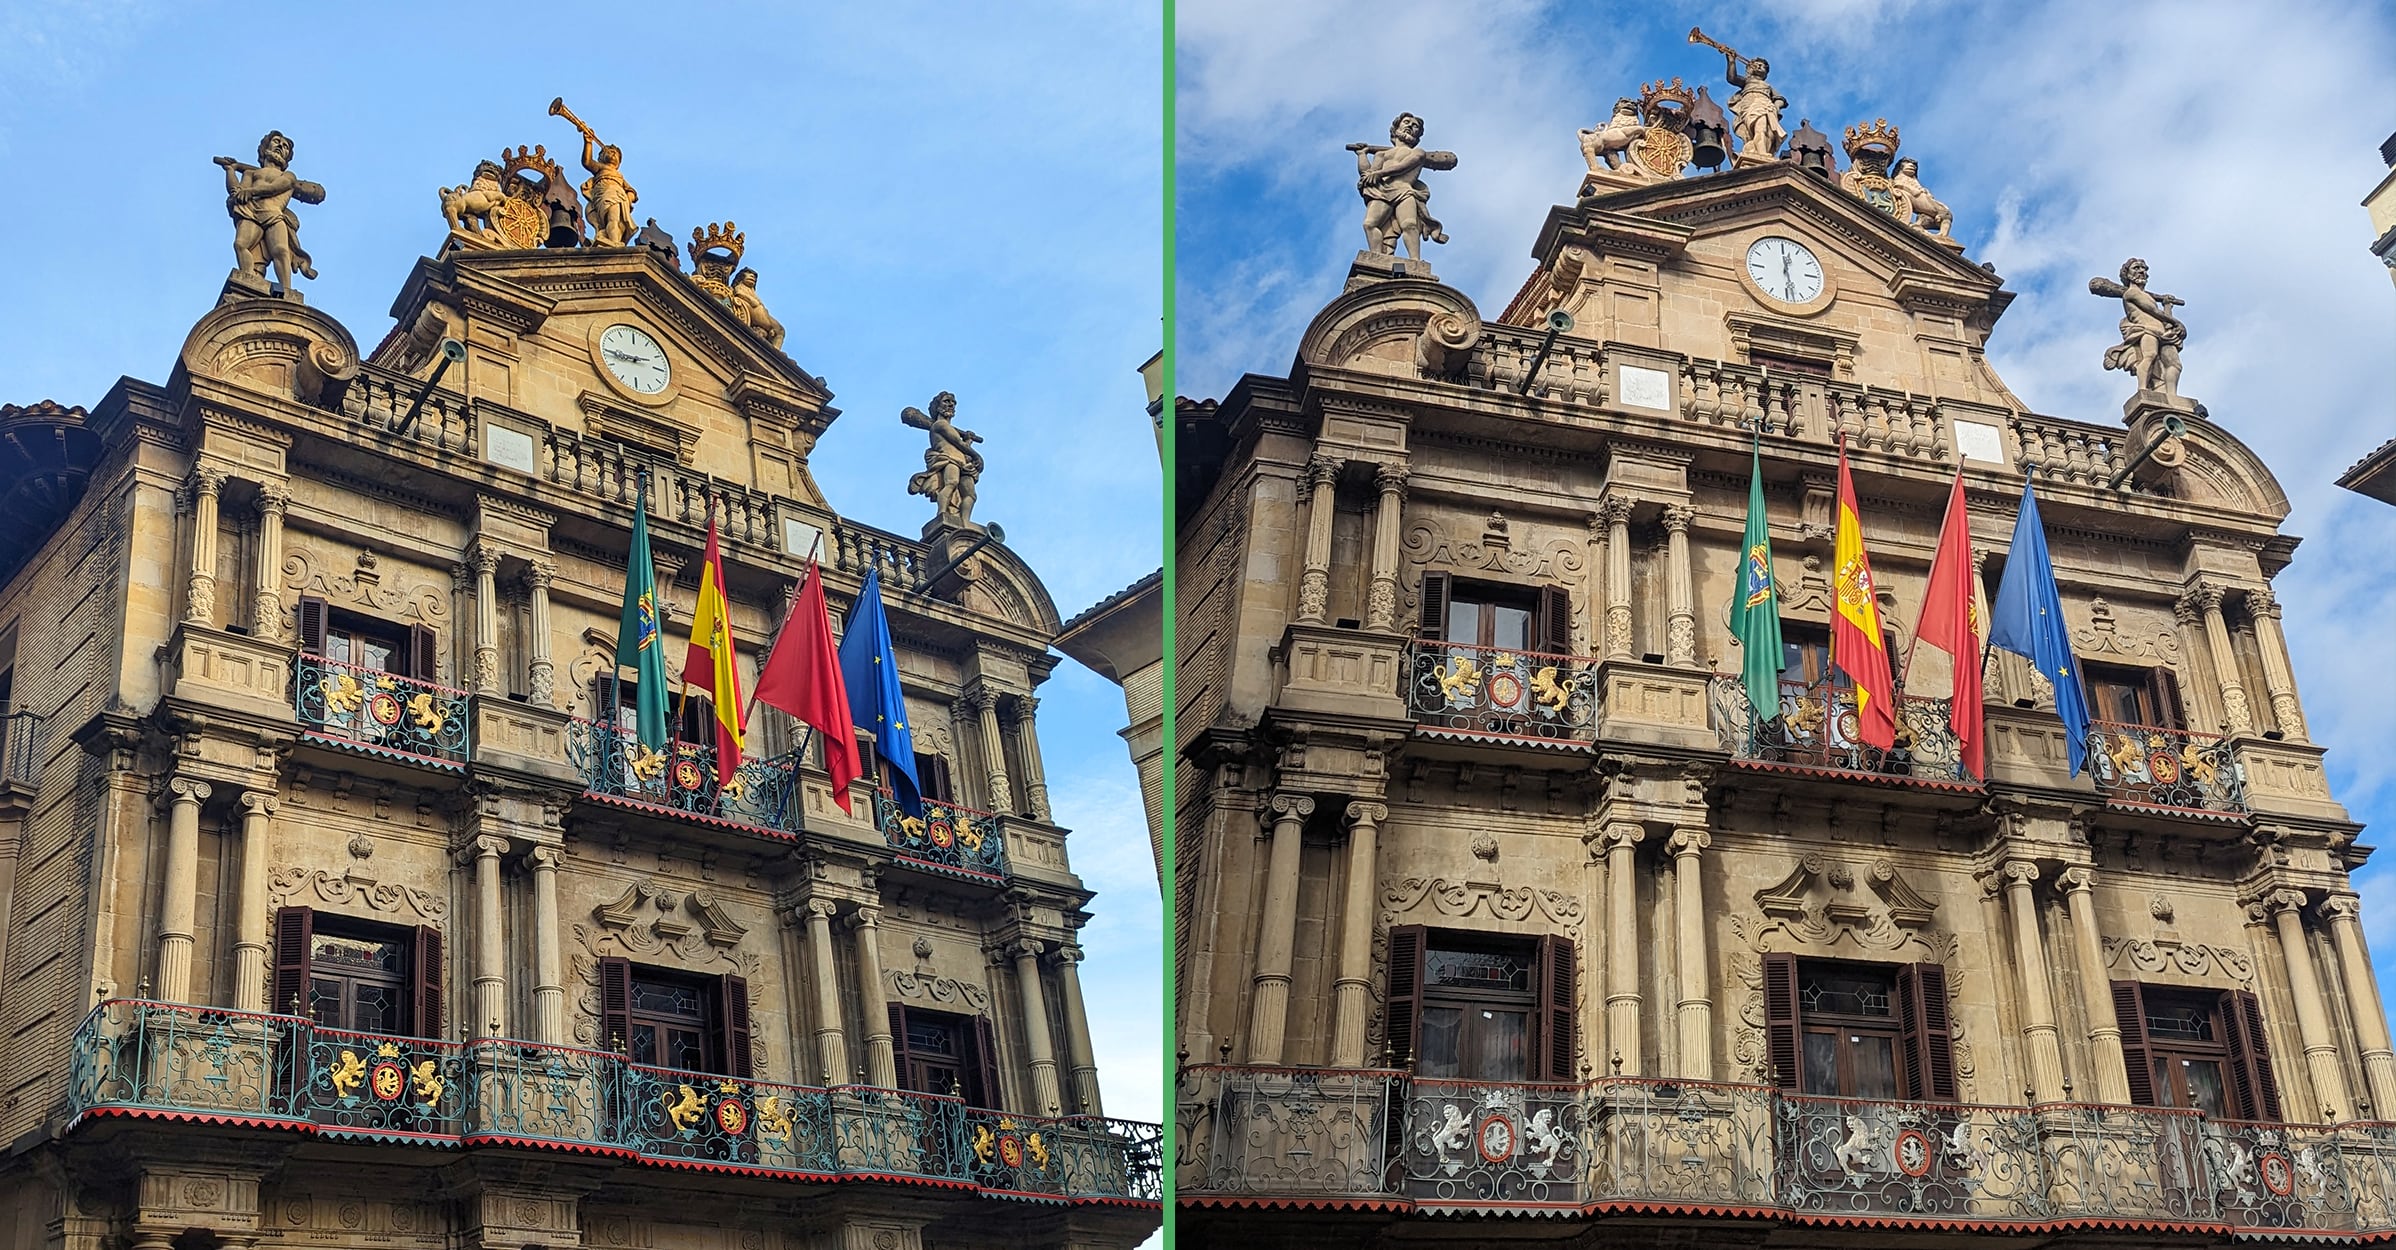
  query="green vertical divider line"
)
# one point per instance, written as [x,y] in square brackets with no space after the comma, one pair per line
[1167,807]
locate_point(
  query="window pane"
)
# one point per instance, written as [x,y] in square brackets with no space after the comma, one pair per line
[686,1050]
[2182,1022]
[1845,991]
[2204,1085]
[644,1044]
[1500,1046]
[1480,970]
[1510,627]
[324,1003]
[1822,1063]
[1435,1052]
[1464,621]
[375,1009]
[930,1037]
[373,655]
[1875,1066]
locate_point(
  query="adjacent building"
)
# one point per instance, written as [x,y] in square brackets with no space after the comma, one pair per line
[342,904]
[1497,899]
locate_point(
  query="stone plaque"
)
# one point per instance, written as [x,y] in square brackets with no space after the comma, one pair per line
[798,537]
[504,446]
[1974,441]
[1646,388]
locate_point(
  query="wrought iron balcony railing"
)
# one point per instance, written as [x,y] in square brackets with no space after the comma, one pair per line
[380,713]
[947,835]
[1502,692]
[2162,767]
[138,1058]
[1818,728]
[681,777]
[1381,1138]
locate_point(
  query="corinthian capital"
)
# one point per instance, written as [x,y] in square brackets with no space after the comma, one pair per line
[1322,470]
[1677,517]
[273,499]
[1391,479]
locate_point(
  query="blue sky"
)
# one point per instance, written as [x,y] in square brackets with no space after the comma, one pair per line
[2228,144]
[936,197]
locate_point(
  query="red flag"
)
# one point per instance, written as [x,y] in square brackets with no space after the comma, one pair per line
[1951,622]
[710,664]
[802,677]
[1856,645]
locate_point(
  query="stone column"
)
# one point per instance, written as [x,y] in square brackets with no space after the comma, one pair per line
[490,959]
[179,905]
[1035,774]
[1616,513]
[1268,1006]
[1680,636]
[881,1060]
[1352,994]
[2112,1084]
[266,607]
[1622,950]
[2362,992]
[984,704]
[250,919]
[1078,1050]
[2234,713]
[1696,1007]
[2039,1036]
[831,1046]
[2279,678]
[486,620]
[2202,695]
[1046,1098]
[1381,606]
[549,982]
[2312,1015]
[1314,585]
[540,670]
[199,595]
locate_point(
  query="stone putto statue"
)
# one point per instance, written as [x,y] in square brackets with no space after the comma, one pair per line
[1397,206]
[265,230]
[479,199]
[2150,336]
[610,197]
[1756,106]
[1932,216]
[951,467]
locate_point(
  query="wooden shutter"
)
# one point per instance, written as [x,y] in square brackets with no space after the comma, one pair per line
[615,1004]
[898,1043]
[931,775]
[2168,709]
[430,1016]
[733,1025]
[314,615]
[295,934]
[2257,1089]
[424,653]
[1405,991]
[1432,621]
[1555,1025]
[2129,1014]
[1929,1035]
[1780,1019]
[985,1067]
[1555,620]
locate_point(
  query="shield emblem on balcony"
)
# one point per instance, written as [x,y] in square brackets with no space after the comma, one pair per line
[942,832]
[732,1116]
[1913,1153]
[1495,1138]
[688,775]
[1505,692]
[388,1081]
[384,708]
[1010,1151]
[2163,765]
[2278,1175]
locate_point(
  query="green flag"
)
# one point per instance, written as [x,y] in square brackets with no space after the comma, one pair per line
[1755,606]
[640,643]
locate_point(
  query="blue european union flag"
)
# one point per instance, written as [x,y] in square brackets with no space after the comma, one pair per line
[869,668]
[2027,619]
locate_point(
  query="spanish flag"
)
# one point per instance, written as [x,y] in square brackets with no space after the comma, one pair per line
[1856,644]
[710,665]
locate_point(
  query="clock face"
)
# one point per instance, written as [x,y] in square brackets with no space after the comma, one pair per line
[1785,269]
[635,358]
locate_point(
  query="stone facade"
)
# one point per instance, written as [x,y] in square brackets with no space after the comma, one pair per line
[225,840]
[1568,826]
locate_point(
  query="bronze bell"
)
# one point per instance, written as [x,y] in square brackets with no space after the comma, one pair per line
[1811,149]
[1709,132]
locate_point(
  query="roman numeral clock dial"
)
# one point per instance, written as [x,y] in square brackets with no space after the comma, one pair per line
[1785,269]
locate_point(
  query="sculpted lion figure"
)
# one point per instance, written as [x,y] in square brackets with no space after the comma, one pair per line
[1928,213]
[1605,147]
[479,199]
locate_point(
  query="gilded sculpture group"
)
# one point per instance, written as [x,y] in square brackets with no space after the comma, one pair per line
[1659,135]
[522,201]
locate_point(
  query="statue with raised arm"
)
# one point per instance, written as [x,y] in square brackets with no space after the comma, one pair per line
[609,197]
[1397,206]
[951,467]
[258,198]
[2150,335]
[1755,107]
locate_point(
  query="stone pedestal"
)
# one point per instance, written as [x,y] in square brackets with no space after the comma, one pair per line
[1654,705]
[1375,267]
[2148,413]
[1341,672]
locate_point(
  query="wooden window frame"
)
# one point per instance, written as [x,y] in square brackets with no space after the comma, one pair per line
[728,1029]
[292,949]
[2250,1084]
[416,647]
[2155,686]
[1551,1019]
[979,1068]
[1923,1047]
[1548,631]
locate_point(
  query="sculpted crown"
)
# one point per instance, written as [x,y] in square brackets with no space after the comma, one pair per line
[534,158]
[723,238]
[1878,137]
[1673,96]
